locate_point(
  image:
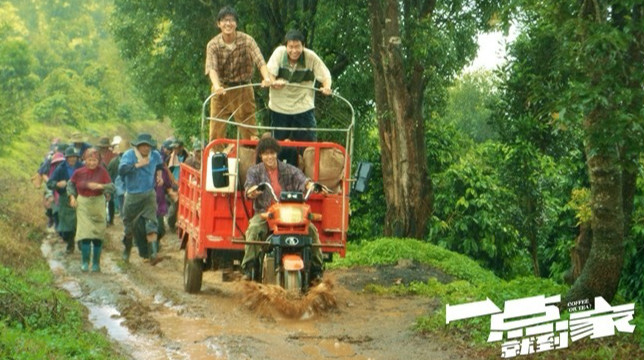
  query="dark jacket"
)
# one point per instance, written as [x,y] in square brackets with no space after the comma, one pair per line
[290,179]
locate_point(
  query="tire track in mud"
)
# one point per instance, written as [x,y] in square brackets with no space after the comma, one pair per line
[144,309]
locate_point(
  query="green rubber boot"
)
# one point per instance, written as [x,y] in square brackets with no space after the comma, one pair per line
[127,243]
[96,256]
[86,249]
[154,250]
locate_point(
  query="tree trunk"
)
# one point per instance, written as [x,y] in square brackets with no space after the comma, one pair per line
[579,253]
[612,167]
[406,181]
[600,276]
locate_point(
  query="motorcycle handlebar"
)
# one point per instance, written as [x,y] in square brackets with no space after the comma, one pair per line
[317,188]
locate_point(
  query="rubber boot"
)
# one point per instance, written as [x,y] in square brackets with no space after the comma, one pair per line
[316,275]
[86,248]
[127,243]
[154,249]
[96,256]
[69,239]
[250,270]
[247,271]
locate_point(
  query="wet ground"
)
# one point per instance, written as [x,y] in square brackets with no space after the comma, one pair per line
[145,310]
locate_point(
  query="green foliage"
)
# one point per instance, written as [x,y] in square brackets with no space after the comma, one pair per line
[368,209]
[445,144]
[580,203]
[23,307]
[65,99]
[37,322]
[632,282]
[49,53]
[387,251]
[16,80]
[467,106]
[474,213]
[542,186]
[572,90]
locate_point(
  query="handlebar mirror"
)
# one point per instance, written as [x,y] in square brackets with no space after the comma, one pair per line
[363,174]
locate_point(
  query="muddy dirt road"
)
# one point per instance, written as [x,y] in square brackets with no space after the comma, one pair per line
[145,310]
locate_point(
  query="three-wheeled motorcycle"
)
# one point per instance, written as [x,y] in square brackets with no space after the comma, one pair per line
[213,211]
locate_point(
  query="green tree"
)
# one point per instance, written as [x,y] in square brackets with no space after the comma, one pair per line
[475,212]
[589,54]
[468,105]
[164,44]
[546,159]
[417,48]
[16,78]
[76,74]
[64,98]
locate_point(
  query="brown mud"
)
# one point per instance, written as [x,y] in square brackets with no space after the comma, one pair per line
[146,311]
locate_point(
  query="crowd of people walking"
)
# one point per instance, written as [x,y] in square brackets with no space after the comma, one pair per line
[88,185]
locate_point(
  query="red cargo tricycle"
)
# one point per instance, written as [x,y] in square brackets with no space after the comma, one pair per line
[213,212]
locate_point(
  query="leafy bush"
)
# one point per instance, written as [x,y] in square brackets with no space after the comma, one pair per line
[368,209]
[474,213]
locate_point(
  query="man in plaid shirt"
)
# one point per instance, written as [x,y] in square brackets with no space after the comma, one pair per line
[282,177]
[229,62]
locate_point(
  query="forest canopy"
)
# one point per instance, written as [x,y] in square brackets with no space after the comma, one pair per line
[533,169]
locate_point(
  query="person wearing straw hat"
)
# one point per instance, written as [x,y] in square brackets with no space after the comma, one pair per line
[78,142]
[141,170]
[116,143]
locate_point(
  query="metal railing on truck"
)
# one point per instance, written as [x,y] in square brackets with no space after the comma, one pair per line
[334,114]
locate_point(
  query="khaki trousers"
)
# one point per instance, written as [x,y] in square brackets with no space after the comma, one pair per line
[240,103]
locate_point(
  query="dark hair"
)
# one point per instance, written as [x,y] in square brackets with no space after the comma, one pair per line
[294,35]
[266,144]
[226,11]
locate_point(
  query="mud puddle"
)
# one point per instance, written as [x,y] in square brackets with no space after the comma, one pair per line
[146,311]
[103,313]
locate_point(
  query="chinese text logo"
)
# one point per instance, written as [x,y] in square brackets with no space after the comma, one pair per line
[533,324]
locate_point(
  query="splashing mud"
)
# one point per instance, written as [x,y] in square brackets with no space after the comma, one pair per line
[272,299]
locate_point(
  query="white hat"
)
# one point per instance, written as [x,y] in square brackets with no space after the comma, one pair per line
[117,140]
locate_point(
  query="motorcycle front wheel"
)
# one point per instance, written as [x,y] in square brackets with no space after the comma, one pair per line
[293,281]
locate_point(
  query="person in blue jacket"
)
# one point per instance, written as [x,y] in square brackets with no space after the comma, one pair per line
[140,168]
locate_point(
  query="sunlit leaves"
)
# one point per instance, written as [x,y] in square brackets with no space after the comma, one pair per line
[16,80]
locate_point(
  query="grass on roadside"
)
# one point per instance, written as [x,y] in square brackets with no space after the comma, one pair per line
[37,320]
[473,283]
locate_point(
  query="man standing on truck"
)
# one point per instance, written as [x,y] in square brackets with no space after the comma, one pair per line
[282,177]
[230,57]
[294,106]
[140,168]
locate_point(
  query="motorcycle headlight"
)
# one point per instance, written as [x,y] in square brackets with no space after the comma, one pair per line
[291,215]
